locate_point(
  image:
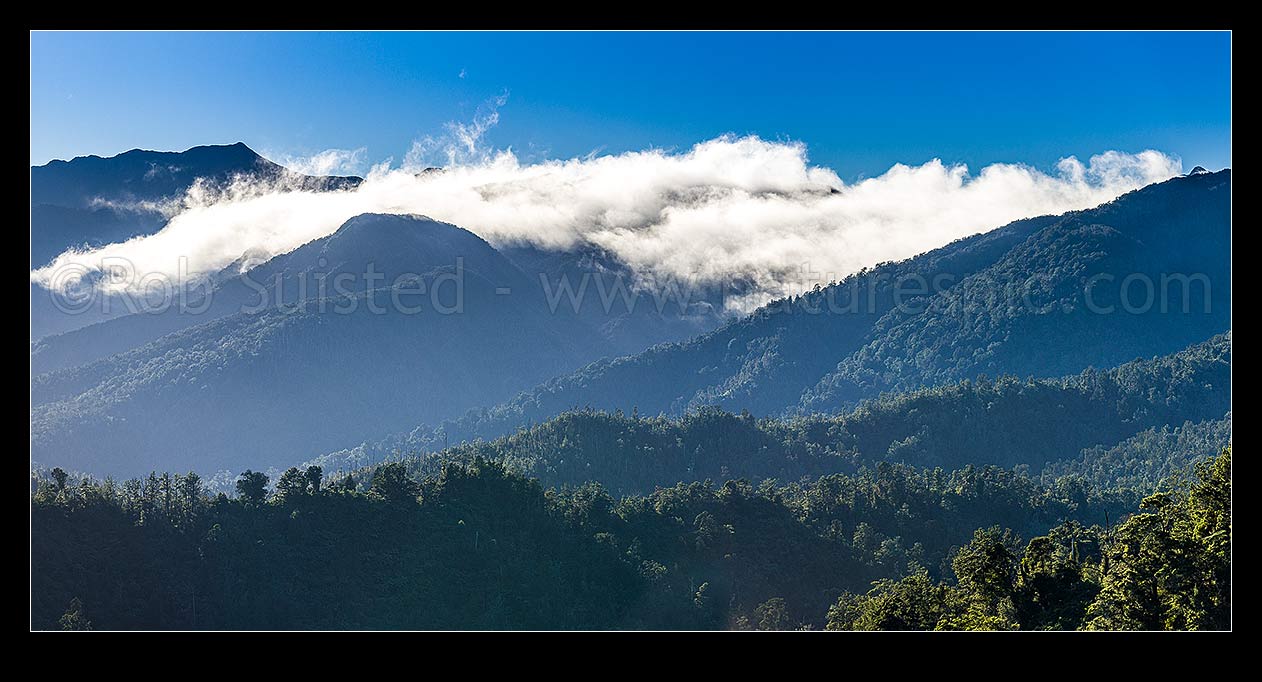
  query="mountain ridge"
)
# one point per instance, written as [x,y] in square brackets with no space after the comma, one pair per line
[762,354]
[91,201]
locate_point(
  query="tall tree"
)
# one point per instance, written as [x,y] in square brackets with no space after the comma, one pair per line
[1170,565]
[314,475]
[252,486]
[391,482]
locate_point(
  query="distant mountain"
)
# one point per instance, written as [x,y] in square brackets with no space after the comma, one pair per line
[1082,423]
[93,200]
[90,201]
[1039,297]
[606,305]
[1141,257]
[140,175]
[311,372]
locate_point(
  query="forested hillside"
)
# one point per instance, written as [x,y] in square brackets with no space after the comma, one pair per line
[1147,273]
[1147,457]
[1009,302]
[445,323]
[1168,567]
[830,331]
[388,247]
[478,547]
[1006,421]
[353,365]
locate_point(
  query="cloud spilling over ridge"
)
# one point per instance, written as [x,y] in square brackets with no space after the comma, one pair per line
[731,208]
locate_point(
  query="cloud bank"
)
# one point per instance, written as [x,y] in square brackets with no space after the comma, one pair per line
[731,208]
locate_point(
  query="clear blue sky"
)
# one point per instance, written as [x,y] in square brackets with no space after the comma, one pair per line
[860,101]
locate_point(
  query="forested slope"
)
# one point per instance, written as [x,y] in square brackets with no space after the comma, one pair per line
[1006,421]
[479,547]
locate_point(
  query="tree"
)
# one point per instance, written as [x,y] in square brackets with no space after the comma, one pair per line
[987,564]
[149,502]
[773,614]
[291,486]
[189,491]
[912,603]
[1209,506]
[314,476]
[252,486]
[986,573]
[484,546]
[391,482]
[1053,593]
[1170,566]
[59,479]
[711,536]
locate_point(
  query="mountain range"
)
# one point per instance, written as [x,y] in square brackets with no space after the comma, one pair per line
[278,369]
[1037,298]
[1108,425]
[90,201]
[283,320]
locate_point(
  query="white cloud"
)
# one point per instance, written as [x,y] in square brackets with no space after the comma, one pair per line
[726,208]
[327,162]
[462,143]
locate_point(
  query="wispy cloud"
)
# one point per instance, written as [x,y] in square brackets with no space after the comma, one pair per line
[461,143]
[327,162]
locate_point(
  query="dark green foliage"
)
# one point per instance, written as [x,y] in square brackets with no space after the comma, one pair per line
[252,486]
[986,583]
[986,566]
[1165,568]
[486,550]
[1053,593]
[390,482]
[773,615]
[476,546]
[914,602]
[314,475]
[471,539]
[292,484]
[1148,457]
[1170,565]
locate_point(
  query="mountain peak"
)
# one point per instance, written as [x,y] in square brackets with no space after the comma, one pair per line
[390,237]
[237,149]
[378,221]
[1199,170]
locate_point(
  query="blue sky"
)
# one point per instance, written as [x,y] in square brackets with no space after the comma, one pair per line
[860,101]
